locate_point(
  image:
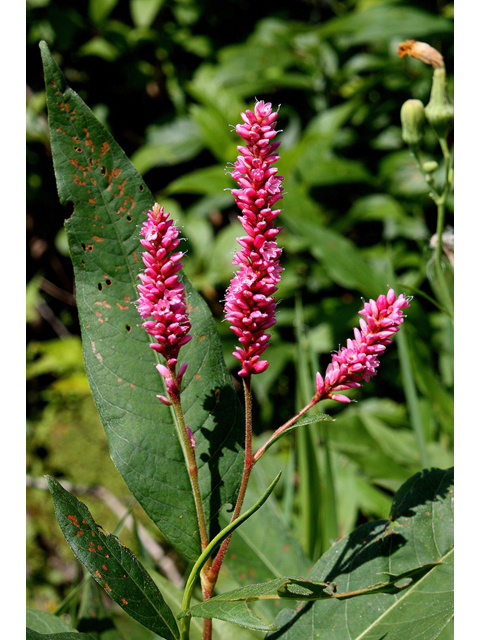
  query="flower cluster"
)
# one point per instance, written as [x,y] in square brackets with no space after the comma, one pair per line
[162,296]
[358,361]
[249,304]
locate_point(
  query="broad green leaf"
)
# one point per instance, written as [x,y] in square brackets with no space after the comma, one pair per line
[112,565]
[110,201]
[381,23]
[64,635]
[144,11]
[169,144]
[232,606]
[419,532]
[342,260]
[43,622]
[209,181]
[317,169]
[99,10]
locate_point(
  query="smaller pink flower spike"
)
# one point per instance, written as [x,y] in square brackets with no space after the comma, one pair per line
[162,296]
[358,361]
[249,302]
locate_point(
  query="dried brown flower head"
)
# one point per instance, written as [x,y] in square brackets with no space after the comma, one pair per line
[422,51]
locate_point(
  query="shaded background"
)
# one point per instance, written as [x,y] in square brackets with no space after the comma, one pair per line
[168,78]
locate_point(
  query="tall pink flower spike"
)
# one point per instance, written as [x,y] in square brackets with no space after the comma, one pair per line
[249,303]
[162,296]
[358,361]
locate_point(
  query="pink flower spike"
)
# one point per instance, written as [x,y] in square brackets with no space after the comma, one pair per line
[162,295]
[358,361]
[249,302]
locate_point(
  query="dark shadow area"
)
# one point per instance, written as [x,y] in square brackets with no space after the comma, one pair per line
[425,486]
[302,610]
[220,404]
[366,543]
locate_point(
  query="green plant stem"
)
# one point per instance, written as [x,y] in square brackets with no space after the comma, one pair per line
[189,455]
[210,575]
[276,434]
[440,200]
[224,535]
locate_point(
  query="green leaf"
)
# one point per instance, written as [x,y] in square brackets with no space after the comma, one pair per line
[419,532]
[144,11]
[169,144]
[110,201]
[231,606]
[93,617]
[382,23]
[304,420]
[43,622]
[112,565]
[65,635]
[352,270]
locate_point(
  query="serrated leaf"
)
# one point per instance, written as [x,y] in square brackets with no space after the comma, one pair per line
[420,531]
[111,201]
[112,565]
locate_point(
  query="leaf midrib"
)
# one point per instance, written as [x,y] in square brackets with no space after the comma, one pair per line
[399,600]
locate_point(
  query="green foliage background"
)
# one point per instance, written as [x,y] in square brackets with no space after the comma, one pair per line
[168,78]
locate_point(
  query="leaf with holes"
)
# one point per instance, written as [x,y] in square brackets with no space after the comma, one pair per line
[419,532]
[112,565]
[110,202]
[232,606]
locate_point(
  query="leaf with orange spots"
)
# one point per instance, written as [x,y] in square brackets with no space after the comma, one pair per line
[110,203]
[112,565]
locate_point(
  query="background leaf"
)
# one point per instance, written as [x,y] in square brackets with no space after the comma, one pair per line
[112,565]
[43,622]
[110,202]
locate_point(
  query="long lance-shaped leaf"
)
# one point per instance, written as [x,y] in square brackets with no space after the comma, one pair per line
[110,203]
[112,565]
[232,605]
